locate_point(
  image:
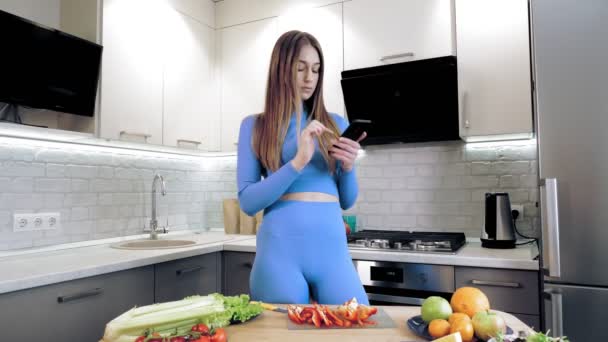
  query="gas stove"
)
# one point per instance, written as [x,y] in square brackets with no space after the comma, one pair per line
[396,241]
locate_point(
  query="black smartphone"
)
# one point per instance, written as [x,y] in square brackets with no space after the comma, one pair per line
[356,128]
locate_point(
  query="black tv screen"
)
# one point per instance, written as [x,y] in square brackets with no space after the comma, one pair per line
[41,67]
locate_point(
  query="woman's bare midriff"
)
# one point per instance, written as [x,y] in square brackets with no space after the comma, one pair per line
[309,197]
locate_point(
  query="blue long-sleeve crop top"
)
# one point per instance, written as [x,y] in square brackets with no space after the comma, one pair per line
[256,193]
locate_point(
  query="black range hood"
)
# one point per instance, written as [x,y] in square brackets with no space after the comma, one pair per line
[413,101]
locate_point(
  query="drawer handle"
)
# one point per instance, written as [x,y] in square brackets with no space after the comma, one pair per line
[84,294]
[193,142]
[495,283]
[137,134]
[248,265]
[399,55]
[188,270]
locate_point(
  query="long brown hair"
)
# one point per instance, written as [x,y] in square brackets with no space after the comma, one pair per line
[283,98]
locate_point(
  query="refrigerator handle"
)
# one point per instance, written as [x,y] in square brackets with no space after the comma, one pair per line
[554,296]
[550,227]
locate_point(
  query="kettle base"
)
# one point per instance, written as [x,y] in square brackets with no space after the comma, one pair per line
[498,244]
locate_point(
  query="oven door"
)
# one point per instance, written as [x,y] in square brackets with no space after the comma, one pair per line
[393,283]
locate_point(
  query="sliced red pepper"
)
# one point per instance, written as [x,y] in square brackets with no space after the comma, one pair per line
[323,316]
[333,317]
[315,319]
[293,314]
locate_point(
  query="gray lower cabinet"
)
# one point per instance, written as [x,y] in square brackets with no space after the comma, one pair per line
[513,291]
[236,269]
[76,310]
[196,275]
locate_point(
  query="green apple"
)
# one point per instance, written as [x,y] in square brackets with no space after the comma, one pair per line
[488,324]
[435,307]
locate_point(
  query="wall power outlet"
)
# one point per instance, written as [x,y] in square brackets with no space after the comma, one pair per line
[520,208]
[36,221]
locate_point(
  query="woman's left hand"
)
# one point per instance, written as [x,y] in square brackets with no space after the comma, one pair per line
[345,150]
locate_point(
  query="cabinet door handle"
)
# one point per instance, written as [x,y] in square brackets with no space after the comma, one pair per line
[399,55]
[550,226]
[248,265]
[495,283]
[145,135]
[188,270]
[79,295]
[463,109]
[194,142]
[554,296]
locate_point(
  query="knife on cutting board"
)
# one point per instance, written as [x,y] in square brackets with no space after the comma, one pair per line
[270,307]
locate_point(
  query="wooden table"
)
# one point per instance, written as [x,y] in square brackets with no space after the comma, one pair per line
[272,326]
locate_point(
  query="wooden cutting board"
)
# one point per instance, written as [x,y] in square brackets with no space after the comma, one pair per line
[382,319]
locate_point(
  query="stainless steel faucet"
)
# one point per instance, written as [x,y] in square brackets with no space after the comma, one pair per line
[153,221]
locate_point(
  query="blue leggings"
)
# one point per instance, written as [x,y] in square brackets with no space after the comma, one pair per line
[302,255]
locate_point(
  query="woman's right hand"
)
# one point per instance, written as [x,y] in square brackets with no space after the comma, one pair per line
[306,145]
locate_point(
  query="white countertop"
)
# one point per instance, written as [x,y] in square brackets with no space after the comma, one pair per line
[26,269]
[472,254]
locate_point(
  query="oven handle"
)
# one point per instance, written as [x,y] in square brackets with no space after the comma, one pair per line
[395,299]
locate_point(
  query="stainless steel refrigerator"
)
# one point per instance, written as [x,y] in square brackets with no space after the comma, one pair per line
[570,54]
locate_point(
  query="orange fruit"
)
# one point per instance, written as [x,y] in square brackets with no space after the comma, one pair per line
[439,328]
[465,328]
[469,300]
[457,316]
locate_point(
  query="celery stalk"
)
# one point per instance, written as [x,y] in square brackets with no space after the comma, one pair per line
[166,317]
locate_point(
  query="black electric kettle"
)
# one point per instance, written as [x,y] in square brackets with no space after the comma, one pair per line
[498,230]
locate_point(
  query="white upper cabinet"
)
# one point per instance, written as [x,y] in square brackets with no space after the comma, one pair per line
[378,32]
[191,102]
[325,23]
[494,69]
[159,82]
[132,71]
[245,55]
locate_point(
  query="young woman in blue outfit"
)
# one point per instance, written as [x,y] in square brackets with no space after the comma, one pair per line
[293,165]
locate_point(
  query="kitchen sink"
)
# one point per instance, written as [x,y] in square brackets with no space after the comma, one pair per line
[154,244]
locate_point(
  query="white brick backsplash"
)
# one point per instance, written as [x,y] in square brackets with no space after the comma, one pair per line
[52,185]
[21,184]
[528,181]
[22,169]
[398,196]
[401,208]
[105,172]
[375,183]
[82,171]
[79,213]
[77,200]
[509,181]
[424,182]
[399,221]
[55,170]
[453,195]
[423,196]
[102,194]
[425,170]
[80,185]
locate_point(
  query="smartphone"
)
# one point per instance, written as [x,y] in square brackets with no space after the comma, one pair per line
[356,128]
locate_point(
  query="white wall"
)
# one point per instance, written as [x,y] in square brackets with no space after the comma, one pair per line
[43,12]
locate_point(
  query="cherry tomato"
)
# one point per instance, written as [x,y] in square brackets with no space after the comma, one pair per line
[140,339]
[178,339]
[202,328]
[219,336]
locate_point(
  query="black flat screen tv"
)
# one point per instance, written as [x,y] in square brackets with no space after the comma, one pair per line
[45,68]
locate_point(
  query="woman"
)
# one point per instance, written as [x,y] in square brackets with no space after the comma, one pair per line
[309,176]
